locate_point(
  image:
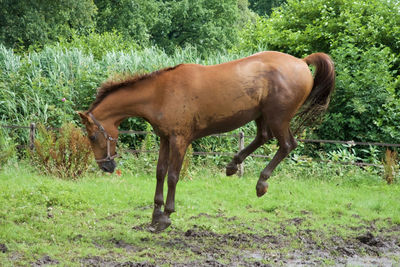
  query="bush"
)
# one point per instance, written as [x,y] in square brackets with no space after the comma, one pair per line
[365,86]
[66,154]
[301,27]
[98,44]
[363,38]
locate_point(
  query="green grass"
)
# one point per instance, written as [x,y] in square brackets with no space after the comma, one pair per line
[107,215]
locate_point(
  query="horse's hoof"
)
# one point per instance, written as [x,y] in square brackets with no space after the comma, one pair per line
[159,225]
[231,169]
[163,225]
[157,214]
[261,188]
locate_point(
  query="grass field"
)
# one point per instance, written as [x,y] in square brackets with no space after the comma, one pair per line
[311,215]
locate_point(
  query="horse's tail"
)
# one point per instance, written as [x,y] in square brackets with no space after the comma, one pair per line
[318,100]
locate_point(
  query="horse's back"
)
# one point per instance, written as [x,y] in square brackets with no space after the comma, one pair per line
[226,96]
[262,65]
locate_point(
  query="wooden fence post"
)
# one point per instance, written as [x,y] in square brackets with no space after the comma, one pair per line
[32,130]
[241,146]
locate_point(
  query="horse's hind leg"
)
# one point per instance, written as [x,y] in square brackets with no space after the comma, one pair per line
[286,143]
[263,135]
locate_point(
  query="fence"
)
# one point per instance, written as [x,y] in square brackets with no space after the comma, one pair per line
[241,141]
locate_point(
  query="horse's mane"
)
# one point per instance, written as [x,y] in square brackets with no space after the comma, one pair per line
[112,86]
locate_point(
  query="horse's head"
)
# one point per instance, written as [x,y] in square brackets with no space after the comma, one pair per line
[101,140]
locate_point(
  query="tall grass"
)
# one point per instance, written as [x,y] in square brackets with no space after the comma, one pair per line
[33,85]
[7,148]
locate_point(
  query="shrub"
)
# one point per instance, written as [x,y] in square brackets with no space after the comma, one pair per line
[98,44]
[66,153]
[363,38]
[365,89]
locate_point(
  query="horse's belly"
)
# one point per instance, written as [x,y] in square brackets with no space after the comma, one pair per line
[219,124]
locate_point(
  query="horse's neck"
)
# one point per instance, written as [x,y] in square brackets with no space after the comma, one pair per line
[125,103]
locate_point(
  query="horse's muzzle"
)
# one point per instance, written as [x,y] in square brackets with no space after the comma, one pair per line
[108,166]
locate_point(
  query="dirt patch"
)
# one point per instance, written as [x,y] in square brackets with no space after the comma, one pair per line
[44,261]
[99,261]
[302,248]
[3,248]
[370,240]
[199,246]
[291,243]
[125,245]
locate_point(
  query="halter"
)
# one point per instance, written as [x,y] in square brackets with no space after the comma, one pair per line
[108,138]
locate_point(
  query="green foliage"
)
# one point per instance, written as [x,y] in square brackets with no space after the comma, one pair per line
[97,44]
[306,26]
[66,154]
[7,148]
[26,23]
[264,7]
[134,19]
[32,87]
[363,38]
[365,87]
[208,25]
[186,165]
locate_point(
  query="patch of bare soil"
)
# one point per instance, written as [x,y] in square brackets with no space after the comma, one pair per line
[99,261]
[199,246]
[3,248]
[45,261]
[303,248]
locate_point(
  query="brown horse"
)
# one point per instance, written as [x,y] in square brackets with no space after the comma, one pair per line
[191,101]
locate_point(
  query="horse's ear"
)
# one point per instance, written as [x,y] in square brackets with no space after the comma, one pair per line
[84,117]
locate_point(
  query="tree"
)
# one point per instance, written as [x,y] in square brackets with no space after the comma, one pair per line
[205,24]
[264,7]
[25,23]
[134,19]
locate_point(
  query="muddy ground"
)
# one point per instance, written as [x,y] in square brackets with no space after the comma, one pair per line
[199,246]
[246,249]
[268,250]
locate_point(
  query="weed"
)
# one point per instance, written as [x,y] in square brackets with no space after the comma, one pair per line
[66,154]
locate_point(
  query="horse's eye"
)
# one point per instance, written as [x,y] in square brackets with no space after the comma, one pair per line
[92,138]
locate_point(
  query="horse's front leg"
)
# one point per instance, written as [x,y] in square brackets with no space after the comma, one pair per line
[162,168]
[177,148]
